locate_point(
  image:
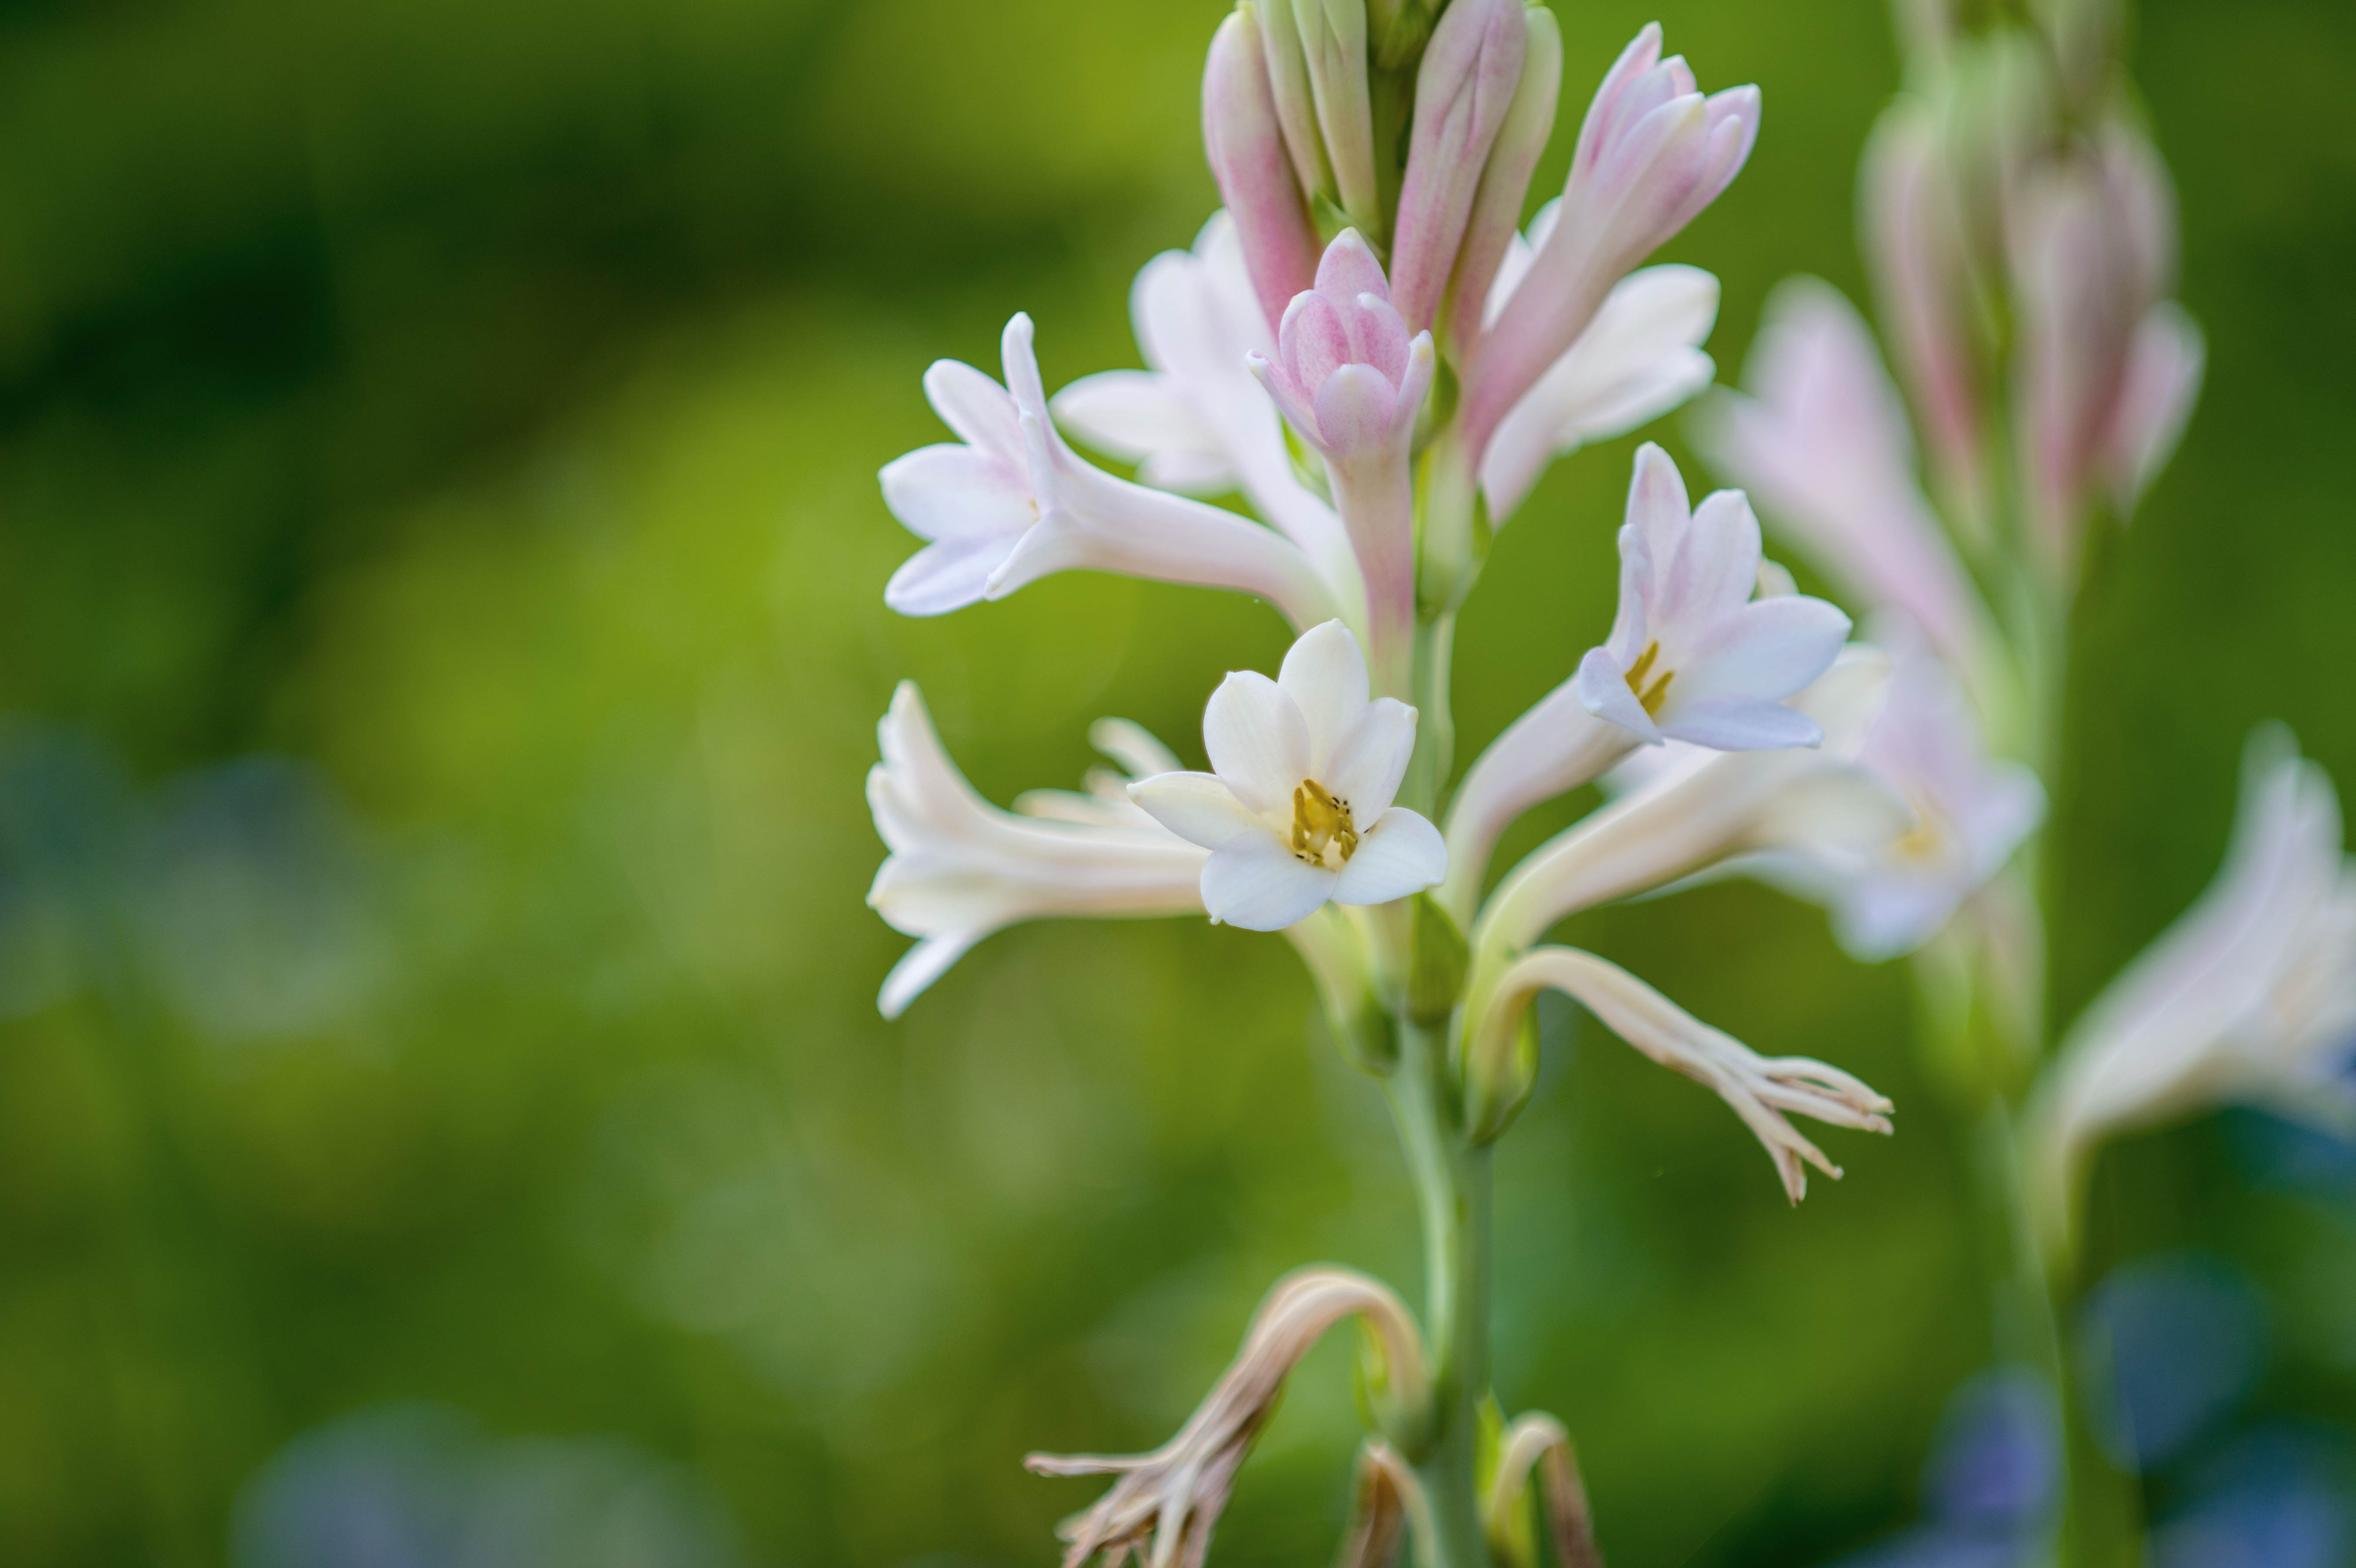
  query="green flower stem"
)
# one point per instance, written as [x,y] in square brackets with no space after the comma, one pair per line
[1452,1190]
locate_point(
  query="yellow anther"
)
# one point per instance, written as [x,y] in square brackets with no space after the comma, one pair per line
[1653,698]
[1321,819]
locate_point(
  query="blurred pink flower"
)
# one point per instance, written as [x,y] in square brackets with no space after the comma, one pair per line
[1245,142]
[1820,439]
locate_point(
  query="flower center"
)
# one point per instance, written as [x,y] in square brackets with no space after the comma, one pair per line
[1652,698]
[1926,841]
[1322,821]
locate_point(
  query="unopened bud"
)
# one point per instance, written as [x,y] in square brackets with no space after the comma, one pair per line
[1334,49]
[1464,92]
[1296,104]
[1913,244]
[1247,150]
[1505,182]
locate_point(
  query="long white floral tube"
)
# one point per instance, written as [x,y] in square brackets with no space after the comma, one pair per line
[1012,503]
[1760,1089]
[961,868]
[1704,806]
[2249,996]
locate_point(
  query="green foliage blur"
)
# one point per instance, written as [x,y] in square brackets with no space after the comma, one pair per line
[440,643]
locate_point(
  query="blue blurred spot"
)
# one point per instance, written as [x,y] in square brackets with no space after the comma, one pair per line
[258,903]
[2267,1502]
[2166,1346]
[421,1487]
[1998,1453]
[2290,1156]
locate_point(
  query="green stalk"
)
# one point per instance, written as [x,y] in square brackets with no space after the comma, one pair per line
[1452,1192]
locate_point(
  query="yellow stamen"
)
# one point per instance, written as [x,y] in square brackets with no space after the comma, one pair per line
[1321,819]
[1653,698]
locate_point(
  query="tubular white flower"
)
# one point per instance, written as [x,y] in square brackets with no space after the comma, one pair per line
[1760,1089]
[2250,996]
[1970,813]
[1351,381]
[1198,421]
[1702,806]
[1166,1503]
[1821,441]
[1014,502]
[1640,357]
[1651,154]
[1298,811]
[1692,656]
[1551,749]
[960,869]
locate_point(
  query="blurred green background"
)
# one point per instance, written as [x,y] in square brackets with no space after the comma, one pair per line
[440,642]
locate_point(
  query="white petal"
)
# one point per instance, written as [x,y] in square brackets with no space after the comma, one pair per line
[945,576]
[1714,571]
[1257,741]
[920,966]
[1132,415]
[1657,508]
[1325,675]
[957,492]
[1371,758]
[1769,649]
[1603,689]
[1259,884]
[977,408]
[1198,807]
[1401,854]
[1731,723]
[1137,749]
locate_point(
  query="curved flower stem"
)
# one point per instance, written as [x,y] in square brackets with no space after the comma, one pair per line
[1452,1182]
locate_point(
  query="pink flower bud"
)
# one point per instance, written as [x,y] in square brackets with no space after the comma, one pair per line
[1651,154]
[1914,246]
[1351,380]
[1462,93]
[1497,208]
[1247,151]
[1347,374]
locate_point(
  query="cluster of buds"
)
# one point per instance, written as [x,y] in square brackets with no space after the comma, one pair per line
[1367,347]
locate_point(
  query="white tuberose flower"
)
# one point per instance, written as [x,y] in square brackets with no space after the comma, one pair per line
[961,868]
[1011,503]
[1298,808]
[1692,657]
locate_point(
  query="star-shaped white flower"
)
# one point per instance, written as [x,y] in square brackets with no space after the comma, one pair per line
[1297,810]
[1692,657]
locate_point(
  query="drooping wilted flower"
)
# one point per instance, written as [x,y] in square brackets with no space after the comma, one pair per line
[1166,1503]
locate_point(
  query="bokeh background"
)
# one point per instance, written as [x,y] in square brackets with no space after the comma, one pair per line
[443,1114]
